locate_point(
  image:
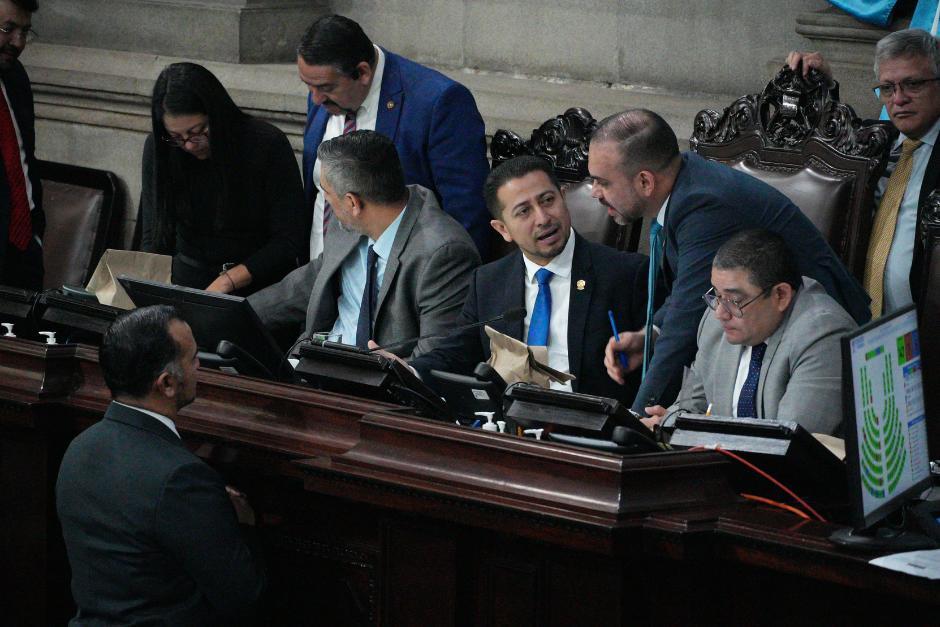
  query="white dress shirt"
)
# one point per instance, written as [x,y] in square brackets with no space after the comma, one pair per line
[560,286]
[366,116]
[897,283]
[166,421]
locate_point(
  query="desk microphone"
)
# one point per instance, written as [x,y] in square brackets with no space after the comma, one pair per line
[510,315]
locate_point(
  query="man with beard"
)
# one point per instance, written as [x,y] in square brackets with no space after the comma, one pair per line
[695,205]
[151,530]
[566,284]
[21,218]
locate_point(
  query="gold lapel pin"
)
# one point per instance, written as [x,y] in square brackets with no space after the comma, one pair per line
[390,105]
[581,284]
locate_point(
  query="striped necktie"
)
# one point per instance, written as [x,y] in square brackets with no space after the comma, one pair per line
[21,226]
[348,128]
[882,232]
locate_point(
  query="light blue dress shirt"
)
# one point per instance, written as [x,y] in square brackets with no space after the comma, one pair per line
[897,281]
[353,279]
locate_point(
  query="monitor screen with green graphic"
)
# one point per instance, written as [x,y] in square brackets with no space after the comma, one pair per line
[885,426]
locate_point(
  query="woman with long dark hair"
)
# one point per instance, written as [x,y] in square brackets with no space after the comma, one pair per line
[221,189]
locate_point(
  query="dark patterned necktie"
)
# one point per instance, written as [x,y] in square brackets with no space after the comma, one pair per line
[21,226]
[747,401]
[370,294]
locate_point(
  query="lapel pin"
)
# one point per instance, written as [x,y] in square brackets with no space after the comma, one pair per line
[390,105]
[581,284]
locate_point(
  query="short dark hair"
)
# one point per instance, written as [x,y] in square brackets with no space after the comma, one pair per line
[763,254]
[26,5]
[137,348]
[338,41]
[515,168]
[644,140]
[365,163]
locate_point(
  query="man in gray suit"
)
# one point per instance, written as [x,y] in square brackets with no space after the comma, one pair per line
[396,266]
[769,346]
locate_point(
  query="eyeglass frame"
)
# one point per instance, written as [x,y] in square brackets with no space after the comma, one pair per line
[910,86]
[27,32]
[196,138]
[727,304]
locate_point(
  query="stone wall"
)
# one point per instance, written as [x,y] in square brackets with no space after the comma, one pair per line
[524,60]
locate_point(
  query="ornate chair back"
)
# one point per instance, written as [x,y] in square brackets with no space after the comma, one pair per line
[797,136]
[928,301]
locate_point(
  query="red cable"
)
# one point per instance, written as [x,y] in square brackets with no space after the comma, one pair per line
[766,476]
[789,508]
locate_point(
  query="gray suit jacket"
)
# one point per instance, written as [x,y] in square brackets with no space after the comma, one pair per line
[801,374]
[423,289]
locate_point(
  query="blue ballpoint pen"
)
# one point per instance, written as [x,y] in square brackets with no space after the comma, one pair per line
[613,327]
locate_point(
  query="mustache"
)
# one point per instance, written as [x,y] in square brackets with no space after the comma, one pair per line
[13,51]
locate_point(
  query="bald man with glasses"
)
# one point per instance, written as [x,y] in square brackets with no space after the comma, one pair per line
[768,344]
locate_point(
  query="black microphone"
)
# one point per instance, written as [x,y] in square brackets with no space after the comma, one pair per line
[510,315]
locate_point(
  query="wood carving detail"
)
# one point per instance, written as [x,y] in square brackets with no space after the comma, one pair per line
[562,140]
[930,220]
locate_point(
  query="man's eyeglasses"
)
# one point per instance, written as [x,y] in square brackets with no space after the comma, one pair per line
[910,86]
[197,139]
[733,307]
[26,32]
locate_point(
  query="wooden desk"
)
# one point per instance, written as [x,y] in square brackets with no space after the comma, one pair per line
[373,517]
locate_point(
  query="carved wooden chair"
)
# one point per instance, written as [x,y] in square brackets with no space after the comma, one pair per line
[928,303]
[796,136]
[563,141]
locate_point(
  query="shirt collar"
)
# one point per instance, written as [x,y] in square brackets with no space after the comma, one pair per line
[383,245]
[369,106]
[163,419]
[559,266]
[929,138]
[661,216]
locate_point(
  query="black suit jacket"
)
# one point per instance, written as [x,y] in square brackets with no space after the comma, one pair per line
[151,534]
[612,281]
[20,94]
[709,203]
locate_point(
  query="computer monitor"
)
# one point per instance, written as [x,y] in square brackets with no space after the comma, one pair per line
[885,422]
[215,318]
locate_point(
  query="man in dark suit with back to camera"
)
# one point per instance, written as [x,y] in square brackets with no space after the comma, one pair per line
[22,221]
[581,280]
[152,531]
[907,68]
[393,266]
[433,120]
[696,205]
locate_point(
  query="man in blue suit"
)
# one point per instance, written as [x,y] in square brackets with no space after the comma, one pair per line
[21,218]
[433,121]
[587,281]
[697,204]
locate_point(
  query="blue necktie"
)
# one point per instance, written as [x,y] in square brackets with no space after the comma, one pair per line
[370,294]
[542,312]
[747,401]
[656,249]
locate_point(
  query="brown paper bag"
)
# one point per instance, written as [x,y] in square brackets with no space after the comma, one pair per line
[132,263]
[516,361]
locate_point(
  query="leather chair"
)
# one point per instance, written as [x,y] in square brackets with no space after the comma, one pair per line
[928,304]
[797,136]
[563,142]
[82,208]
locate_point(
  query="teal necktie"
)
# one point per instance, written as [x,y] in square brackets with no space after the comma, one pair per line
[656,249]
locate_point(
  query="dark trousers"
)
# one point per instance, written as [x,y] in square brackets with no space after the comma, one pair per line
[22,269]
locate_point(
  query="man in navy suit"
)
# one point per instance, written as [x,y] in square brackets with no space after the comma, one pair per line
[21,218]
[698,204]
[151,530]
[433,121]
[586,281]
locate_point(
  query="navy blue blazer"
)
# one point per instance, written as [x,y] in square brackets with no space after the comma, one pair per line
[709,203]
[440,138]
[20,93]
[613,281]
[151,534]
